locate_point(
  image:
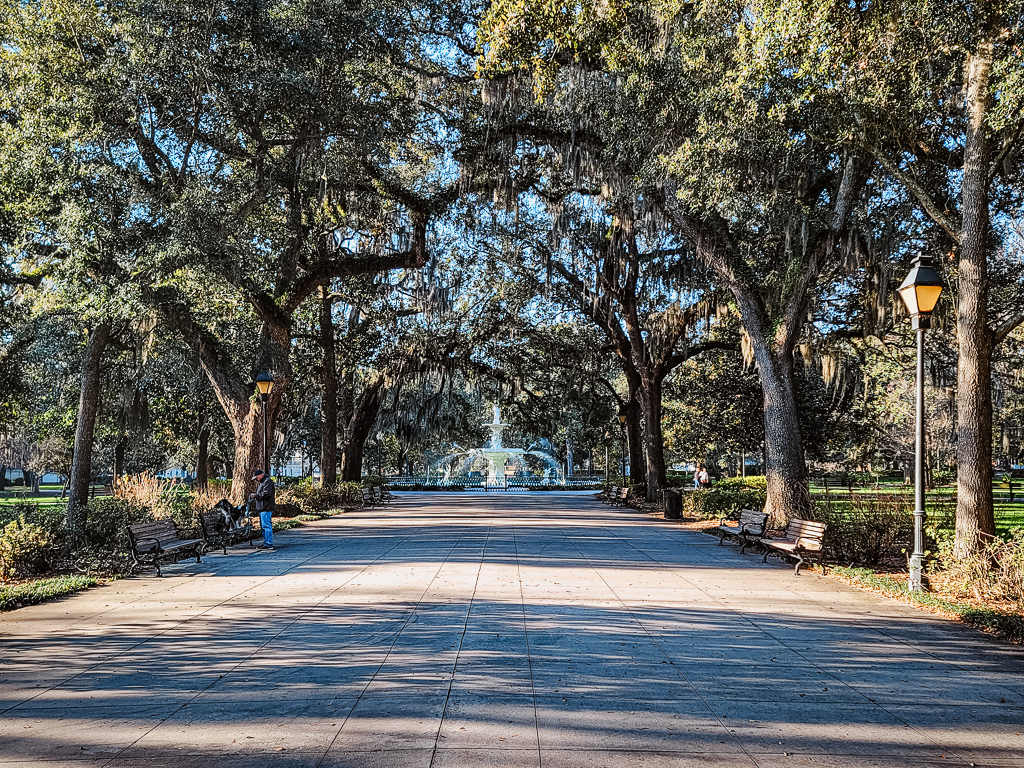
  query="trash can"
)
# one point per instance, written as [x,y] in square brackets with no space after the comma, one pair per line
[673,504]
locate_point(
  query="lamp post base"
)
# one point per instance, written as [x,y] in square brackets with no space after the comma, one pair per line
[914,583]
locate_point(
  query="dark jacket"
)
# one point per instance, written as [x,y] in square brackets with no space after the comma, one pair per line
[263,497]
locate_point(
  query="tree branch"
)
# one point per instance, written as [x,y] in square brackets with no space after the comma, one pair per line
[925,200]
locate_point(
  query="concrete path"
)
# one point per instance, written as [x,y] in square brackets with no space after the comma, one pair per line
[498,631]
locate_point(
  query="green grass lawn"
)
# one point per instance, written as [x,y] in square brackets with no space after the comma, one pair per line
[42,501]
[938,501]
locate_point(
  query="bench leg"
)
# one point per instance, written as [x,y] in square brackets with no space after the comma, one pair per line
[766,552]
[156,562]
[799,562]
[721,538]
[743,543]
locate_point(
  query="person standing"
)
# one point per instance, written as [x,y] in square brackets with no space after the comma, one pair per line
[262,501]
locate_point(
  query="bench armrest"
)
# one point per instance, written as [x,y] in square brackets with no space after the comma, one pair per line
[154,548]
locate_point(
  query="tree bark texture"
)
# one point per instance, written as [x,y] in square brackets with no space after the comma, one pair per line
[650,399]
[85,427]
[635,443]
[363,418]
[785,470]
[329,393]
[974,512]
[247,424]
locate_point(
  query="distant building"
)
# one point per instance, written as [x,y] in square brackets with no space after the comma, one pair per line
[297,466]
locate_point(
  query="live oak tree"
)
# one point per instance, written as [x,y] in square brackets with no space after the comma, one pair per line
[934,92]
[654,310]
[653,96]
[272,149]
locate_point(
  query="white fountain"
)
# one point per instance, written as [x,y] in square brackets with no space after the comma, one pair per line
[495,457]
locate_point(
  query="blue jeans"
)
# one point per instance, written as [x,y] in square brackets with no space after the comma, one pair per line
[268,527]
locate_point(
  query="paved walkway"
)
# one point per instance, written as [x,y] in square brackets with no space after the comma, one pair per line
[498,631]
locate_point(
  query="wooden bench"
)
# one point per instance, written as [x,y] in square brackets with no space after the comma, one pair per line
[802,539]
[217,533]
[621,497]
[368,499]
[151,541]
[607,492]
[749,528]
[380,495]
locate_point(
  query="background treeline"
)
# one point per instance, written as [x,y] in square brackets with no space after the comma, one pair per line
[675,227]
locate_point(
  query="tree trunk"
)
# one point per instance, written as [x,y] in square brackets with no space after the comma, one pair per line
[974,513]
[634,443]
[203,458]
[247,424]
[119,450]
[329,393]
[788,495]
[88,405]
[248,432]
[363,419]
[654,444]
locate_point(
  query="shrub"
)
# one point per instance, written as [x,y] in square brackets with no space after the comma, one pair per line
[721,501]
[41,590]
[177,503]
[995,571]
[51,517]
[759,482]
[107,520]
[306,498]
[203,501]
[317,500]
[678,479]
[143,489]
[866,529]
[218,487]
[26,549]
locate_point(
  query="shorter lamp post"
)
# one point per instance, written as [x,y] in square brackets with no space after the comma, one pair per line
[920,292]
[622,426]
[607,440]
[380,470]
[265,383]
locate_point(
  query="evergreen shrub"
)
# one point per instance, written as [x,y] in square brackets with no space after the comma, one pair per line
[866,529]
[26,549]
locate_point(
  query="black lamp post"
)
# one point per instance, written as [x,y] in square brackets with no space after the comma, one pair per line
[622,425]
[265,383]
[607,440]
[380,470]
[920,292]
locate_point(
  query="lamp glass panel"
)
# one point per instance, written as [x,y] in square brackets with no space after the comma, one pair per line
[927,297]
[265,386]
[909,295]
